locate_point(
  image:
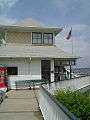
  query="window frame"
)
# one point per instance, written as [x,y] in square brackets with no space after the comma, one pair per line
[42,38]
[36,38]
[48,39]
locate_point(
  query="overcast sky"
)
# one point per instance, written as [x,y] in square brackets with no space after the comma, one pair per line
[60,13]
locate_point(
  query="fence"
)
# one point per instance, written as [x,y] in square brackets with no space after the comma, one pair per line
[14,78]
[51,109]
[24,84]
[73,84]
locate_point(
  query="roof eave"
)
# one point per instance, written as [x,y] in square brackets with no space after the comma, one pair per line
[29,29]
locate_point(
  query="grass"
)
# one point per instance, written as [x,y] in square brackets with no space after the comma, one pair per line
[77,102]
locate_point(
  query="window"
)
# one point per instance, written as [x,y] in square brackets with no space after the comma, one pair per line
[42,38]
[12,70]
[37,38]
[48,38]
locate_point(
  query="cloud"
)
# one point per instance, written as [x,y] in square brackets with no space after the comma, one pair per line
[81,42]
[73,11]
[4,20]
[69,4]
[79,27]
[7,3]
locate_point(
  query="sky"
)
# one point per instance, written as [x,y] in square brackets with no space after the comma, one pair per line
[58,13]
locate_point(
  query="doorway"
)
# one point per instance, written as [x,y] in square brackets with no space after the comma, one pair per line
[45,69]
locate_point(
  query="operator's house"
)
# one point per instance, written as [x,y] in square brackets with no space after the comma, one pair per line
[30,53]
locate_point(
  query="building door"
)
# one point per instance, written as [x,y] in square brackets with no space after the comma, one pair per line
[45,69]
[12,71]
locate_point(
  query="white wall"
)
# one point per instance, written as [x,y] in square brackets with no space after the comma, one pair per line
[22,65]
[25,66]
[26,69]
[35,68]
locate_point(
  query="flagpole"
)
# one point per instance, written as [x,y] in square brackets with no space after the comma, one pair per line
[72,45]
[68,37]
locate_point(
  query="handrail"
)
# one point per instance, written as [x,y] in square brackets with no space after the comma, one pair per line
[71,78]
[30,83]
[60,106]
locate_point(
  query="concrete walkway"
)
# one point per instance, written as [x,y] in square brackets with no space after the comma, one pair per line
[20,105]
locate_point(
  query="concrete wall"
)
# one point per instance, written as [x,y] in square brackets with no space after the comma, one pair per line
[18,37]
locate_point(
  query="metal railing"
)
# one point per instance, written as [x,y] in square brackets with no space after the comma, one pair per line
[73,84]
[29,83]
[51,109]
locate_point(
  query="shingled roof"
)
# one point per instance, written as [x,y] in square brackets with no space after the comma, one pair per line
[34,52]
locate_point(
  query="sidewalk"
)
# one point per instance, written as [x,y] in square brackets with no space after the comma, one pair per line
[20,105]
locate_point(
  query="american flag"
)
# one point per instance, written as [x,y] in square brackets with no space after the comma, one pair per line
[69,34]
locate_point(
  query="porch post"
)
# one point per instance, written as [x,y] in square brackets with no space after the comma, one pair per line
[52,70]
[29,66]
[70,71]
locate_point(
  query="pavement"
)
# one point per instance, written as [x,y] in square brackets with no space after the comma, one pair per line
[20,105]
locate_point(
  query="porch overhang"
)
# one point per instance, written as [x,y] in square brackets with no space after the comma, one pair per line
[50,52]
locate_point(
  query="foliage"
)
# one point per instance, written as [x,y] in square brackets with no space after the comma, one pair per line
[77,102]
[87,93]
[2,35]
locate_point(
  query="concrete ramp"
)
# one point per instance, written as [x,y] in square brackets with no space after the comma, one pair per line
[20,105]
[73,84]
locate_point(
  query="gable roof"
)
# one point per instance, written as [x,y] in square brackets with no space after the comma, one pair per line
[34,52]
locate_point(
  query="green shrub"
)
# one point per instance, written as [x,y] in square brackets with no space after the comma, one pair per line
[76,102]
[87,93]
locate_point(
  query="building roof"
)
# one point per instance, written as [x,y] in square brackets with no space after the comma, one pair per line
[29,22]
[31,29]
[30,25]
[33,52]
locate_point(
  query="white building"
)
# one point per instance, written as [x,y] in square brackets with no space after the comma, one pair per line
[30,52]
